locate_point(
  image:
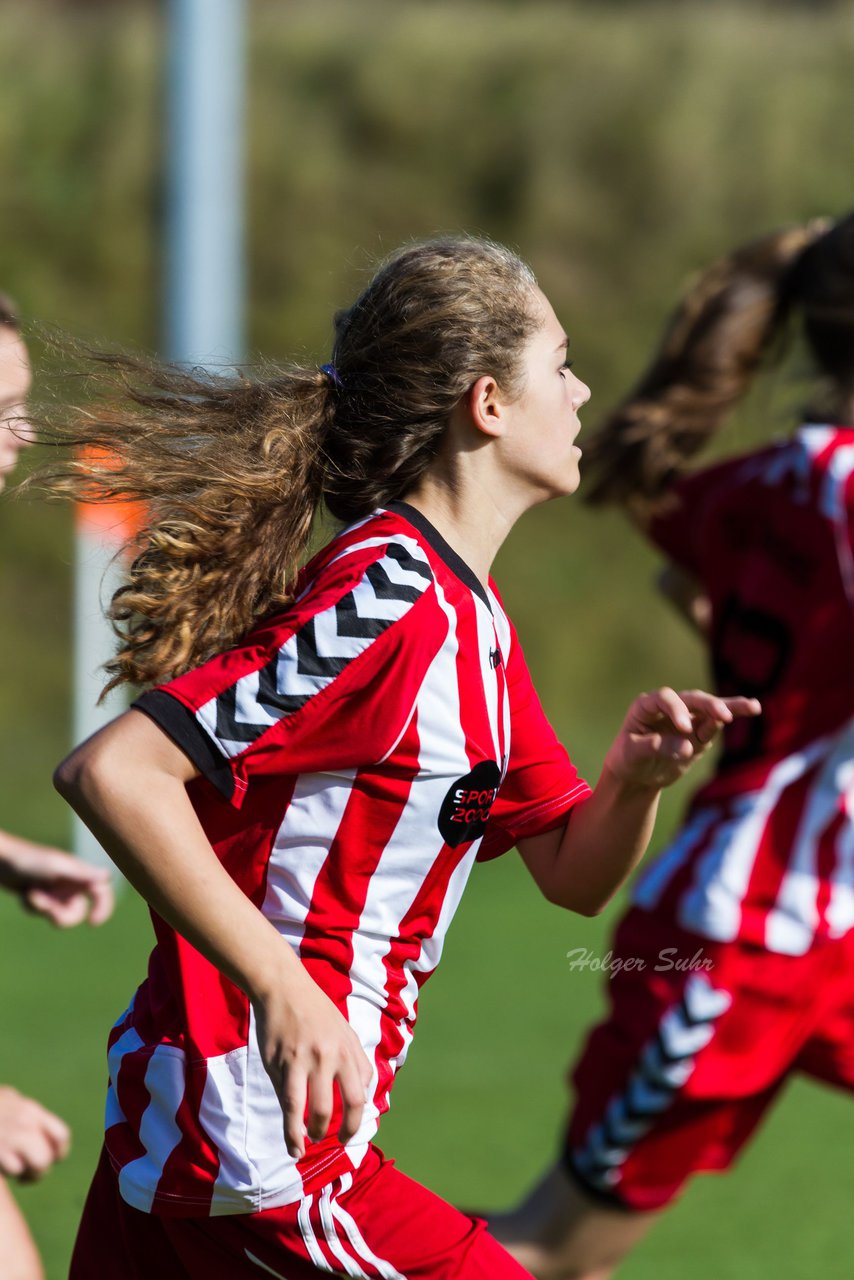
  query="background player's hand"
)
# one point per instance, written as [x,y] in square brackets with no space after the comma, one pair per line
[64,889]
[665,732]
[31,1137]
[307,1048]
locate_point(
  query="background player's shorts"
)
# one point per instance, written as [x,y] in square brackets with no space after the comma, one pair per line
[374,1223]
[700,1037]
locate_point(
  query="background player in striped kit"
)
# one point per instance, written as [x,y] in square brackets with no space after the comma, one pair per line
[63,889]
[758,882]
[335,747]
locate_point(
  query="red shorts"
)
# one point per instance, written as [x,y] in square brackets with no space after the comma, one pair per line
[700,1037]
[375,1223]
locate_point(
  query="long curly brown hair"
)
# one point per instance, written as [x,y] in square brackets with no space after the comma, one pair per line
[731,318]
[232,471]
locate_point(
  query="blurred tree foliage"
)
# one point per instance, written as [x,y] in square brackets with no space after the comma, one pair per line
[618,146]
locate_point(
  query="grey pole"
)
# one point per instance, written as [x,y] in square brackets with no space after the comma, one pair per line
[204,231]
[204,290]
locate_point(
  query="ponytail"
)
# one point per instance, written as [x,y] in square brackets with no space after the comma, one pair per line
[229,476]
[712,347]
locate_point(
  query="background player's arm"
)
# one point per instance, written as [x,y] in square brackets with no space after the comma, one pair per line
[581,865]
[31,1137]
[128,783]
[64,889]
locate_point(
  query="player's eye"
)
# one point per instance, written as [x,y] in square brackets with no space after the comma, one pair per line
[567,364]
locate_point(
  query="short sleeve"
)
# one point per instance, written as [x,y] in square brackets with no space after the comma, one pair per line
[541,785]
[330,685]
[680,529]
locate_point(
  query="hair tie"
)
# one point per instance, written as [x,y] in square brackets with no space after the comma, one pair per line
[332,374]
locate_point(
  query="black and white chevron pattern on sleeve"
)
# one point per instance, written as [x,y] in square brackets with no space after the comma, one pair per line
[664,1066]
[313,656]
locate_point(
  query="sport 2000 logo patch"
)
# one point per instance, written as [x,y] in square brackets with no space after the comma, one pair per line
[465,809]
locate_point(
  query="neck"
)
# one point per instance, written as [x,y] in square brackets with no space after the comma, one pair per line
[467,515]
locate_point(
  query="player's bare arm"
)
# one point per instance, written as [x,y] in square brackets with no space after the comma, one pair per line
[582,865]
[31,1137]
[64,889]
[144,819]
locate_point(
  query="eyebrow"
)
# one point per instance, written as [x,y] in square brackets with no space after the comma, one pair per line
[563,343]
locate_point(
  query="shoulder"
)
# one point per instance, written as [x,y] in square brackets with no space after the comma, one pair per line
[369,582]
[363,581]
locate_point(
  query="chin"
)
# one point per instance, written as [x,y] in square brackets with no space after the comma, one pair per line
[573,480]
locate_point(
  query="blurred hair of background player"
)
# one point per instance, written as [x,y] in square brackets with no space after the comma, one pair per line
[758,882]
[50,883]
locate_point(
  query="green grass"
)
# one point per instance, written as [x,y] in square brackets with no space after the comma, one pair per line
[618,146]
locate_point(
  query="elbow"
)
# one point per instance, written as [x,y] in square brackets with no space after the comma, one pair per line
[80,777]
[67,777]
[572,898]
[590,908]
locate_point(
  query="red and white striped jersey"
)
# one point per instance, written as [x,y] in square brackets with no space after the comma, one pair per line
[767,850]
[358,752]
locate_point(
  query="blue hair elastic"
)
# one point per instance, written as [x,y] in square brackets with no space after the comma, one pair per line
[332,374]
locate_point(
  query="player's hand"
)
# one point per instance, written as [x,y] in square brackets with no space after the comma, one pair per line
[665,732]
[64,889]
[31,1137]
[307,1048]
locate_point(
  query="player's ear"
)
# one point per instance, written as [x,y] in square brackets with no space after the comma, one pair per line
[486,406]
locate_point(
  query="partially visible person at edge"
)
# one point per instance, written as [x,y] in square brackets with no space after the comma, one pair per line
[65,890]
[758,881]
[324,757]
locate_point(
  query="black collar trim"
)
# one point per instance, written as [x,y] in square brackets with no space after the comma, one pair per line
[447,553]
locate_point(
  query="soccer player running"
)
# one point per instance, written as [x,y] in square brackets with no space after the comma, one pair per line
[325,755]
[757,885]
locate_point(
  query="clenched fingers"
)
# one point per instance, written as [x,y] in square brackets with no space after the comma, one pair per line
[354,1082]
[294,1098]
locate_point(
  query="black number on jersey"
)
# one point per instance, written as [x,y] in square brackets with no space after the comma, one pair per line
[751,649]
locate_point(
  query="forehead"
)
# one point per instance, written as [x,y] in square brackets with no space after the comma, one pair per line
[550,330]
[14,365]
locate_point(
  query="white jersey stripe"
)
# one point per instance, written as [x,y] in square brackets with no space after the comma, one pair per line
[389,896]
[792,923]
[301,848]
[299,853]
[113,1113]
[128,1042]
[712,906]
[840,908]
[486,642]
[158,1130]
[657,876]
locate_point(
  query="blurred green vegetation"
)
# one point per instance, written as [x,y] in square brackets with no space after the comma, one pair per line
[618,147]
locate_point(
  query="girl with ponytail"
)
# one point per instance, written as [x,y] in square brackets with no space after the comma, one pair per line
[732,968]
[320,754]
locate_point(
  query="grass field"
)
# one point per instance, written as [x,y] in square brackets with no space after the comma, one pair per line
[619,146]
